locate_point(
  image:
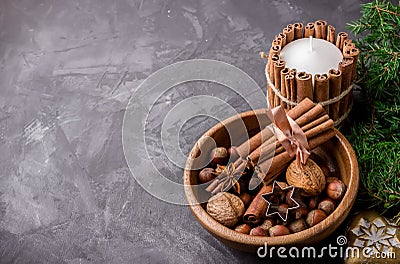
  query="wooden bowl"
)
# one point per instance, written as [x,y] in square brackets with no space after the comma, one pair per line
[338,149]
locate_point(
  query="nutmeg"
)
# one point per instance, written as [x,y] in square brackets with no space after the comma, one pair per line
[258,231]
[219,156]
[315,216]
[206,175]
[297,225]
[226,208]
[309,177]
[336,189]
[243,228]
[327,205]
[279,230]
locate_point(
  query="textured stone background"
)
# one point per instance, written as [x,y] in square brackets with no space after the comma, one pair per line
[67,70]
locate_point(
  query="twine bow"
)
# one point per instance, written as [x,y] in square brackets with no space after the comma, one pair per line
[289,134]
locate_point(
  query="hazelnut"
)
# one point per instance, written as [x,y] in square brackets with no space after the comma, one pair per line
[297,225]
[313,203]
[206,175]
[309,177]
[315,216]
[279,230]
[300,212]
[330,179]
[336,189]
[243,228]
[327,205]
[258,231]
[267,224]
[225,208]
[246,198]
[219,156]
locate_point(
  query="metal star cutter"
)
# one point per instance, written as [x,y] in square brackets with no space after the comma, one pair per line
[274,200]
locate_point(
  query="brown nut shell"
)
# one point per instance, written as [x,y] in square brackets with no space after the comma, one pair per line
[226,208]
[314,217]
[258,231]
[206,175]
[336,189]
[327,205]
[279,230]
[219,156]
[309,177]
[297,225]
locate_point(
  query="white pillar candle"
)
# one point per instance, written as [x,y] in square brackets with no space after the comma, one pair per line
[311,55]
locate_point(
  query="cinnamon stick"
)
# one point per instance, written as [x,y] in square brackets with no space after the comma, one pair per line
[258,207]
[278,67]
[353,53]
[284,72]
[273,58]
[265,136]
[311,114]
[324,123]
[347,46]
[283,39]
[342,36]
[346,67]
[298,30]
[254,142]
[335,84]
[309,30]
[278,163]
[320,29]
[289,33]
[331,34]
[304,86]
[321,89]
[315,122]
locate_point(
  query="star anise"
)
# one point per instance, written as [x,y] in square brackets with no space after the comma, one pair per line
[228,178]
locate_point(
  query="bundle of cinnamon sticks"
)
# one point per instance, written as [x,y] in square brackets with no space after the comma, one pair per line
[290,87]
[266,154]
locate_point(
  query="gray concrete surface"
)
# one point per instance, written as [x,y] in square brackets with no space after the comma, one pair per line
[67,70]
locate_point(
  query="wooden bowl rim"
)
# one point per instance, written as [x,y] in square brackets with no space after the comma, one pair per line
[226,233]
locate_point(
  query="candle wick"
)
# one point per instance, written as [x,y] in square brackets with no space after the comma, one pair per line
[311,43]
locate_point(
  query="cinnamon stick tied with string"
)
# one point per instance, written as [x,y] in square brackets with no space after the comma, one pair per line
[320,29]
[331,37]
[290,88]
[284,93]
[321,89]
[309,30]
[289,33]
[298,30]
[319,130]
[270,67]
[266,134]
[335,84]
[346,67]
[342,36]
[304,86]
[278,67]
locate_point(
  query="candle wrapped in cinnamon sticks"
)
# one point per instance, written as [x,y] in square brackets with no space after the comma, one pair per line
[332,89]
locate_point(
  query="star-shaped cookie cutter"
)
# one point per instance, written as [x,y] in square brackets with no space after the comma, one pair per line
[275,196]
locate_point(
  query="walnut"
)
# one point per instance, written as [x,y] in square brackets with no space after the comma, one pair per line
[309,177]
[226,208]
